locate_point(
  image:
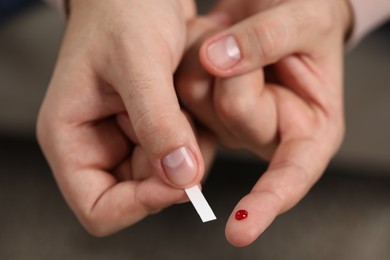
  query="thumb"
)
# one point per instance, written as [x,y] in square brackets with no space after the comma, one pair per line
[261,40]
[145,84]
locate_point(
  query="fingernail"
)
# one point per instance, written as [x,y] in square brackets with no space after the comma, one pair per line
[224,53]
[180,166]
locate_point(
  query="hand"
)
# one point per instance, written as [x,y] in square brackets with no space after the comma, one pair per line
[115,71]
[277,92]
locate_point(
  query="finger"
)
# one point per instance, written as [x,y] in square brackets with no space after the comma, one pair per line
[144,81]
[296,166]
[125,125]
[200,28]
[263,39]
[248,111]
[100,202]
[138,167]
[234,11]
[123,204]
[135,167]
[194,84]
[188,9]
[206,141]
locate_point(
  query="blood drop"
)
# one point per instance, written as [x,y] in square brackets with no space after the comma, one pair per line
[241,214]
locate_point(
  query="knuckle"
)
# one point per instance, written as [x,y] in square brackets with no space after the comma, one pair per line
[192,82]
[232,110]
[327,23]
[333,124]
[342,132]
[338,133]
[155,130]
[96,231]
[192,94]
[47,130]
[42,124]
[147,126]
[40,129]
[298,181]
[306,18]
[269,36]
[94,226]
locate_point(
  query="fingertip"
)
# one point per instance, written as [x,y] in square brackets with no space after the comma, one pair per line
[260,209]
[221,54]
[170,144]
[238,239]
[181,167]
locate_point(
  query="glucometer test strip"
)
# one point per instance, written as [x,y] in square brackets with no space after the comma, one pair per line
[200,204]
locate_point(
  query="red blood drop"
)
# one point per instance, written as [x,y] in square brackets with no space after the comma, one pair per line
[241,214]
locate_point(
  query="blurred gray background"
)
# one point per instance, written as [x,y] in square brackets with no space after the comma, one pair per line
[345,216]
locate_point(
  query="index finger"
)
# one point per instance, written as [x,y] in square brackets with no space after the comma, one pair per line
[296,166]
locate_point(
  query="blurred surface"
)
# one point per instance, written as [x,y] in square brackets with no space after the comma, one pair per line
[28,47]
[367,96]
[345,216]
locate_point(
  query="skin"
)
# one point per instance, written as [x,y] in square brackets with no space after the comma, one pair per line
[107,121]
[283,100]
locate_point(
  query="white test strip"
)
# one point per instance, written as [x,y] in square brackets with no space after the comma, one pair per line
[200,204]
